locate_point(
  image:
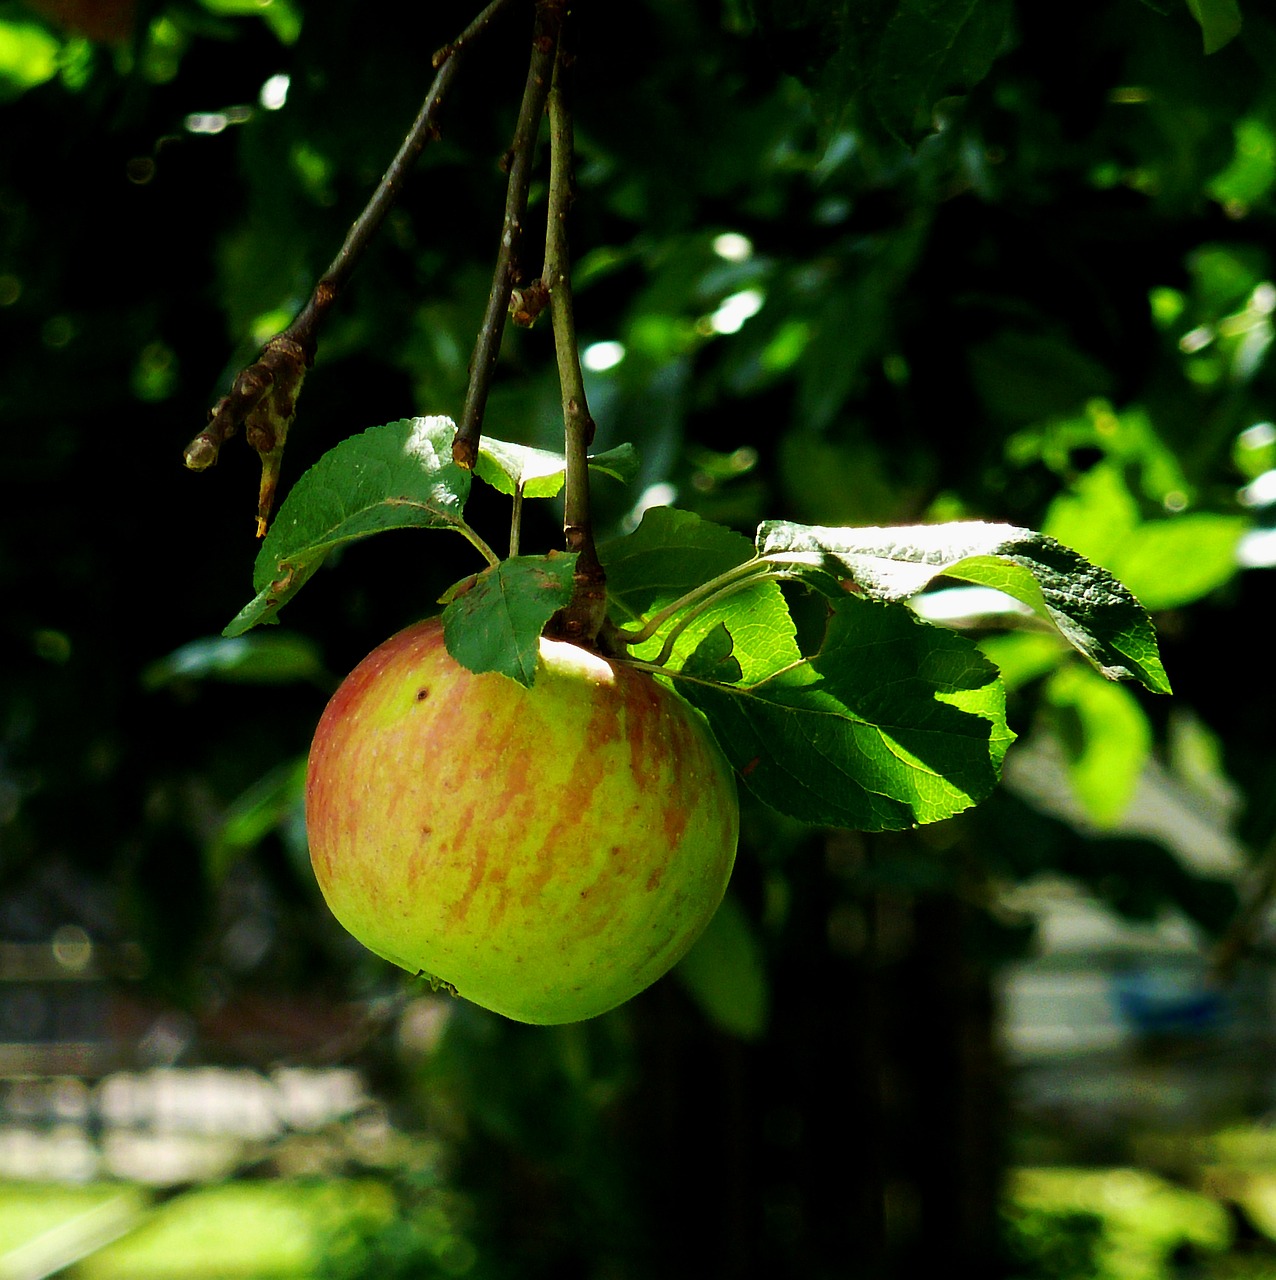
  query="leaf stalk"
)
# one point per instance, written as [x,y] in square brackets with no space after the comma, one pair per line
[742,573]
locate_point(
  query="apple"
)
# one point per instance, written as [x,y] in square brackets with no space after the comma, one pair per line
[548,852]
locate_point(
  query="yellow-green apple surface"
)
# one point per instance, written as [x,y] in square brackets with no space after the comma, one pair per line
[547,851]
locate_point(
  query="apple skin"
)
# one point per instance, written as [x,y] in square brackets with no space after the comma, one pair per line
[549,851]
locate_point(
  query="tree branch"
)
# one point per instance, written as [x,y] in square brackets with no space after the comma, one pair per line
[263,397]
[487,346]
[584,616]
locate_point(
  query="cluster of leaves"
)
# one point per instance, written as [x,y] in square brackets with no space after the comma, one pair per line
[884,723]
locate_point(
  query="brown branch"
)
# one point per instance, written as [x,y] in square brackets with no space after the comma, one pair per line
[263,397]
[487,346]
[584,615]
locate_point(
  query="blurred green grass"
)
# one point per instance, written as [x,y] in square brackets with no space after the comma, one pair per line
[250,1230]
[1062,1223]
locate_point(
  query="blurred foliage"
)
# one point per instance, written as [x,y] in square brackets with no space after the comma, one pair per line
[823,276]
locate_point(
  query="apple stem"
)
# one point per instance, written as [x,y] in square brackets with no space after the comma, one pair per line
[507,273]
[583,618]
[263,395]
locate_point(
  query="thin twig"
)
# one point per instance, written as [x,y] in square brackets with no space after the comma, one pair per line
[263,397]
[487,346]
[583,618]
[446,62]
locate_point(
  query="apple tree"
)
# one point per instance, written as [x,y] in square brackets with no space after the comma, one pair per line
[883,383]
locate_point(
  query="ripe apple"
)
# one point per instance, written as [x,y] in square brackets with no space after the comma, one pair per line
[548,851]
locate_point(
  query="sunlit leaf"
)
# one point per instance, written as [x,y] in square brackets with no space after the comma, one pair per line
[1252,172]
[268,658]
[1023,656]
[893,723]
[1106,739]
[1166,562]
[1091,609]
[397,476]
[1172,562]
[28,56]
[506,466]
[673,552]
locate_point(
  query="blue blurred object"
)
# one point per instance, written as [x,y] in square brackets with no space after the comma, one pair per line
[1160,1002]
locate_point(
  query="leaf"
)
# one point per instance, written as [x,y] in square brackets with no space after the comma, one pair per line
[1023,656]
[271,802]
[1166,563]
[725,974]
[1172,562]
[496,625]
[1091,609]
[1220,21]
[673,552]
[506,466]
[897,58]
[397,476]
[893,723]
[261,659]
[928,50]
[1106,737]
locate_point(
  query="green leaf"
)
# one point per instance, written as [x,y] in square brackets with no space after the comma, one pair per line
[1091,609]
[496,625]
[1106,738]
[1172,562]
[271,802]
[928,50]
[1023,656]
[506,466]
[278,658]
[28,56]
[673,552]
[1166,563]
[893,723]
[397,476]
[1220,21]
[897,58]
[725,974]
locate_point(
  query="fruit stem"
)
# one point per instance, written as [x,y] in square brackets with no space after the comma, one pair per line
[487,346]
[583,618]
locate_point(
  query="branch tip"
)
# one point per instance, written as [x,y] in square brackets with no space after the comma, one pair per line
[263,398]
